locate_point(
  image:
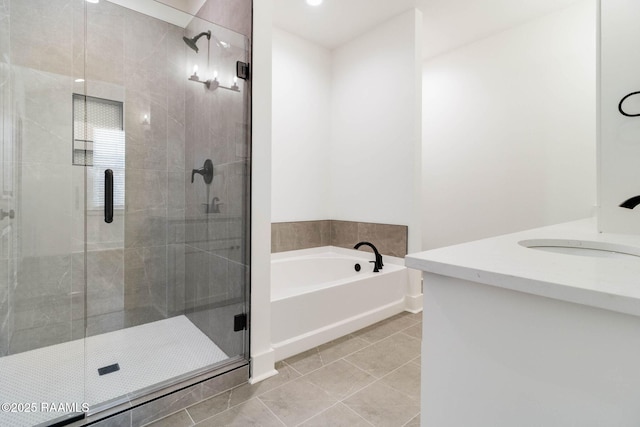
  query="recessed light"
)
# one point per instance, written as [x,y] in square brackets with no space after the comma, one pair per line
[93,1]
[314,2]
[79,80]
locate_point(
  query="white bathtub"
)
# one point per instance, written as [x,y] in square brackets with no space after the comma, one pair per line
[317,295]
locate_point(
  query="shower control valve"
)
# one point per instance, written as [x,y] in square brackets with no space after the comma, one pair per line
[206,171]
[3,214]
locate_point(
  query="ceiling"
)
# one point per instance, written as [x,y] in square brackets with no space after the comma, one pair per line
[448,24]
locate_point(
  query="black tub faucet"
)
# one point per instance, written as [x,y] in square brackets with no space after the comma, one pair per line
[377,264]
[631,203]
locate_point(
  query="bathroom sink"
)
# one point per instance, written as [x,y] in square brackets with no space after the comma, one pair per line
[584,248]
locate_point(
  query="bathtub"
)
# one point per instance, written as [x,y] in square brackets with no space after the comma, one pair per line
[317,295]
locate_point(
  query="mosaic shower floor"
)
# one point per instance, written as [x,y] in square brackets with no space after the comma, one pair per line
[52,378]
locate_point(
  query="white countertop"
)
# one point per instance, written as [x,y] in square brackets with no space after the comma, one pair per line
[612,284]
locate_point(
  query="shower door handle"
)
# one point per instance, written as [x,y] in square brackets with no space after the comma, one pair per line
[108,196]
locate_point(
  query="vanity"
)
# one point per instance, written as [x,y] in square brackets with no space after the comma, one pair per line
[535,328]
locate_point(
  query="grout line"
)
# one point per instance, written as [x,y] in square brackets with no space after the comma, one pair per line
[269,409]
[162,418]
[367,344]
[294,370]
[315,415]
[375,380]
[229,399]
[351,409]
[193,423]
[276,387]
[409,336]
[417,415]
[320,357]
[216,414]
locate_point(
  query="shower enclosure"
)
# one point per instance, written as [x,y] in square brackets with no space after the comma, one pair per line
[124,205]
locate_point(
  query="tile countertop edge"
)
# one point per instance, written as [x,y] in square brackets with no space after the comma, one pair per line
[587,295]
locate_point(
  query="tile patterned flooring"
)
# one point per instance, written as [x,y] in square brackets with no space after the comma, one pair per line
[368,378]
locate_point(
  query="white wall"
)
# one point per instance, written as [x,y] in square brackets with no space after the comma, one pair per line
[619,147]
[262,357]
[301,129]
[347,126]
[509,130]
[375,133]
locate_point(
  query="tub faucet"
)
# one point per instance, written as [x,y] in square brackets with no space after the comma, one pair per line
[377,264]
[631,203]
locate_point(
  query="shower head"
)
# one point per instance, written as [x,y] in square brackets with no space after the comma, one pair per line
[191,42]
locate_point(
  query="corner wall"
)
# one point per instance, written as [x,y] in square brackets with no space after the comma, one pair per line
[262,356]
[301,129]
[375,126]
[509,130]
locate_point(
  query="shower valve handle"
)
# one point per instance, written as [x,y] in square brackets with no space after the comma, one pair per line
[3,214]
[206,171]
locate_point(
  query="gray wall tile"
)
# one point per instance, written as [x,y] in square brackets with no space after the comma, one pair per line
[288,236]
[176,279]
[50,334]
[389,239]
[225,382]
[179,419]
[49,48]
[217,323]
[104,59]
[146,228]
[235,15]
[344,233]
[146,278]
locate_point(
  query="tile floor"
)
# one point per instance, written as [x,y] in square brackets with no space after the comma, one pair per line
[368,378]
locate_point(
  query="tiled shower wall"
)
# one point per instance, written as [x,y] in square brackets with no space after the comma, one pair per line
[388,239]
[130,58]
[153,71]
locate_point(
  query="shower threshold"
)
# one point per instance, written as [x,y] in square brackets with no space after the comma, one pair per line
[46,383]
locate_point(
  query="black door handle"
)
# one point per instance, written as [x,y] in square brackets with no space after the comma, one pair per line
[108,196]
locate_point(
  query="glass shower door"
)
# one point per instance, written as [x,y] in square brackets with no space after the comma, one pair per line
[217,212]
[124,213]
[42,310]
[166,250]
